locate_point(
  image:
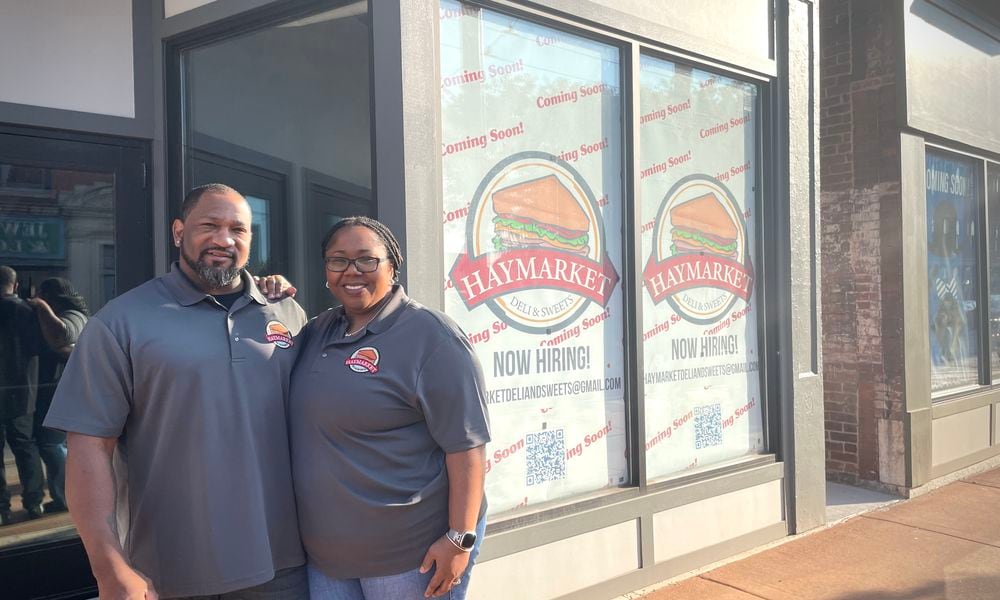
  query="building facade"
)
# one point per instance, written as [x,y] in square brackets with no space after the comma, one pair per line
[909,188]
[615,200]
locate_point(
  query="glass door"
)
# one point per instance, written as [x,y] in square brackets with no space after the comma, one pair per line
[265,190]
[74,233]
[328,200]
[280,111]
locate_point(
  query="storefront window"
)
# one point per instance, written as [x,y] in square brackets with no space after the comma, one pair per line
[993,199]
[952,270]
[261,223]
[532,166]
[698,206]
[57,233]
[282,114]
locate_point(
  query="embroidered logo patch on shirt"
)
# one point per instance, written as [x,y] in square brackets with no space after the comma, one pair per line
[275,331]
[364,360]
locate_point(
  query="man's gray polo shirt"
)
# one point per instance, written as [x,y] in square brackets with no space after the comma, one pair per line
[372,416]
[196,397]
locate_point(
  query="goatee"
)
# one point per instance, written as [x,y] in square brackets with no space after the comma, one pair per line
[213,277]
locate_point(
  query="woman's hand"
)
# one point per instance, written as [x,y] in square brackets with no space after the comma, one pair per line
[275,287]
[449,563]
[466,474]
[39,303]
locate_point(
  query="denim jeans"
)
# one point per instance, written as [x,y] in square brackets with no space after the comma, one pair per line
[288,584]
[403,586]
[52,449]
[16,433]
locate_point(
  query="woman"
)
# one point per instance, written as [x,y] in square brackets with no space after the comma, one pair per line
[388,423]
[62,312]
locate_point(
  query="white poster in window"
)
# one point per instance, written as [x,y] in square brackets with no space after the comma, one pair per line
[698,194]
[531,157]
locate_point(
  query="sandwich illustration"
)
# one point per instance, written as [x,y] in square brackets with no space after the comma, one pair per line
[703,225]
[540,213]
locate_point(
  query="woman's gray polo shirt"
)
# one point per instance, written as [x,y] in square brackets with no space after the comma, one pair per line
[372,416]
[196,397]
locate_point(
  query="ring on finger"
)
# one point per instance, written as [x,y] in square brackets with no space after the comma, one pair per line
[456,581]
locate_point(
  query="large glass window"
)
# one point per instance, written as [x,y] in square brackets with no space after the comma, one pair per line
[533,206]
[993,199]
[282,114]
[698,165]
[532,166]
[74,233]
[57,234]
[953,269]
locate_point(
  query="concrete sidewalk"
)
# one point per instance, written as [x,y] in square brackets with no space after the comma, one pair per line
[944,544]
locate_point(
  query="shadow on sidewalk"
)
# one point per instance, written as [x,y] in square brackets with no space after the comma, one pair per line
[971,588]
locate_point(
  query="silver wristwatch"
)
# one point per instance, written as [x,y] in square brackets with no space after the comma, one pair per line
[463,540]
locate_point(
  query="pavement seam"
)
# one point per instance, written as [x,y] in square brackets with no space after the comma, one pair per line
[957,537]
[730,586]
[979,483]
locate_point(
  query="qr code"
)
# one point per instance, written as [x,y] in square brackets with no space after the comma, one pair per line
[707,426]
[546,456]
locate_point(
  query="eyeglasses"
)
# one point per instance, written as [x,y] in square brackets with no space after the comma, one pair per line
[364,264]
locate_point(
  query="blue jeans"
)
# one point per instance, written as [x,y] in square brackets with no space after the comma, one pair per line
[403,586]
[52,449]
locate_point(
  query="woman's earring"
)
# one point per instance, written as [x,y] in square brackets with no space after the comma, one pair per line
[327,284]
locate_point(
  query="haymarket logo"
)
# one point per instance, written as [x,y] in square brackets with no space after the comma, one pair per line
[276,332]
[364,360]
[700,263]
[535,247]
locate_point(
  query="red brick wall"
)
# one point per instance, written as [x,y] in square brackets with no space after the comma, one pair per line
[860,220]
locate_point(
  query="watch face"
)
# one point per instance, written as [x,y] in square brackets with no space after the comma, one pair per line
[468,541]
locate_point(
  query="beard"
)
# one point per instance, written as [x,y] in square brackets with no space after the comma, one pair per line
[213,277]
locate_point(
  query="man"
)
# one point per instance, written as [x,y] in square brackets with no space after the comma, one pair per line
[19,346]
[174,403]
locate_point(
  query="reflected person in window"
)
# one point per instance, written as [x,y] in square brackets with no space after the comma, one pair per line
[388,424]
[19,346]
[62,313]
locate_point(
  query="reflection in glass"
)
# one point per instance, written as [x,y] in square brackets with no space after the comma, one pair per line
[57,234]
[993,198]
[259,255]
[952,270]
[265,111]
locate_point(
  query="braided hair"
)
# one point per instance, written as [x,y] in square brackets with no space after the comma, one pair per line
[383,232]
[62,296]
